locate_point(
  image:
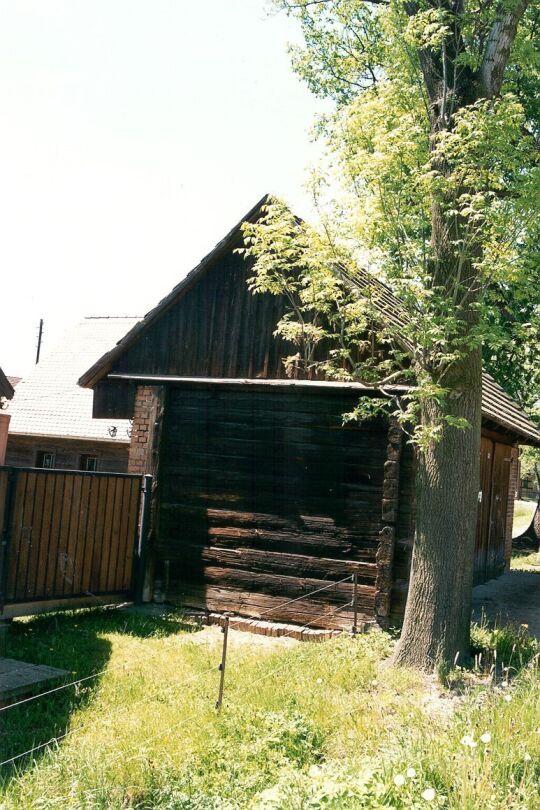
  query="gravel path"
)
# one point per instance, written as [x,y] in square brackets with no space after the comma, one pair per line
[514,597]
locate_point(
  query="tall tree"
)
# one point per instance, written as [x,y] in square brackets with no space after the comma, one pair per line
[434,143]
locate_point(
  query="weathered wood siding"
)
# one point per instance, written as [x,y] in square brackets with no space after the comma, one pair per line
[69,534]
[264,497]
[21,452]
[404,533]
[217,329]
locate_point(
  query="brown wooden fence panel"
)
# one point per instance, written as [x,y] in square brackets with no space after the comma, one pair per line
[67,534]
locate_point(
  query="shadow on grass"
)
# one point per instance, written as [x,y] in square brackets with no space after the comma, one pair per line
[74,641]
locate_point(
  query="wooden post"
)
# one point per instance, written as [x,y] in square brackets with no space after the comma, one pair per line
[355,603]
[141,550]
[5,536]
[225,631]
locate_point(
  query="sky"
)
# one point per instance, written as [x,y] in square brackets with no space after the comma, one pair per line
[133,135]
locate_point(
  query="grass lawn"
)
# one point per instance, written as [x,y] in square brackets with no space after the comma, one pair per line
[302,726]
[523,560]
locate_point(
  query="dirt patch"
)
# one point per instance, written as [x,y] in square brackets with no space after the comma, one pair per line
[514,599]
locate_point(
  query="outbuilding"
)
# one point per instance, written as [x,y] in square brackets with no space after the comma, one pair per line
[262,495]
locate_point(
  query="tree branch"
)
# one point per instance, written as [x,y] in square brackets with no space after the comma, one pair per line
[498,45]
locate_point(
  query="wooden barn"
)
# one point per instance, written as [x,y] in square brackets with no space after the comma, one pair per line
[262,495]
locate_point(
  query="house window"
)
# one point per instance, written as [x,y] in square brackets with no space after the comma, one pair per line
[88,463]
[45,459]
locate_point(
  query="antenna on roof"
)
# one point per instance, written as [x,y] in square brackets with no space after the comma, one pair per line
[40,338]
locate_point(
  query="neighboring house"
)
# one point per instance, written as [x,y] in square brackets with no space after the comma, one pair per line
[6,393]
[263,495]
[51,416]
[6,386]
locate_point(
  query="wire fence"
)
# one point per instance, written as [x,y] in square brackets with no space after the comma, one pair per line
[295,631]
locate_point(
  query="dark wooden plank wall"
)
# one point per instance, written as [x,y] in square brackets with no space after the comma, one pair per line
[21,452]
[265,497]
[217,329]
[404,533]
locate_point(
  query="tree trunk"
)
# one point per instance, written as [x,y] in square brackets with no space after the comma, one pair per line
[437,617]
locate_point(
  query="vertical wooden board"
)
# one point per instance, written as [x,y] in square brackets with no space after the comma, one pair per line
[131,534]
[4,477]
[51,565]
[62,567]
[40,586]
[37,539]
[84,585]
[236,305]
[25,536]
[118,518]
[14,534]
[502,460]
[116,573]
[81,534]
[98,546]
[72,536]
[105,541]
[482,520]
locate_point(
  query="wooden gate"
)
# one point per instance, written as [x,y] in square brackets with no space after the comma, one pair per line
[69,538]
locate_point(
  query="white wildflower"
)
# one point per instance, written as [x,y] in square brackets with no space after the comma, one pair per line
[486,738]
[468,741]
[411,773]
[527,757]
[508,698]
[429,794]
[399,780]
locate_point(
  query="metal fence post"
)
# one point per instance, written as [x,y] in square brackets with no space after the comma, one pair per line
[355,603]
[225,631]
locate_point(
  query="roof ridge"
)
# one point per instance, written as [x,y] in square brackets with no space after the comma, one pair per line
[110,317]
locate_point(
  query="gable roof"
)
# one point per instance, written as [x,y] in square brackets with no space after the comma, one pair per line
[6,388]
[497,405]
[232,240]
[48,402]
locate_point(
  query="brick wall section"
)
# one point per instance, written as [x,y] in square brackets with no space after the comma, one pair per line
[140,461]
[512,489]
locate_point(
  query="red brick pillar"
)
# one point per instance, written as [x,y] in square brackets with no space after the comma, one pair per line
[144,459]
[140,449]
[513,484]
